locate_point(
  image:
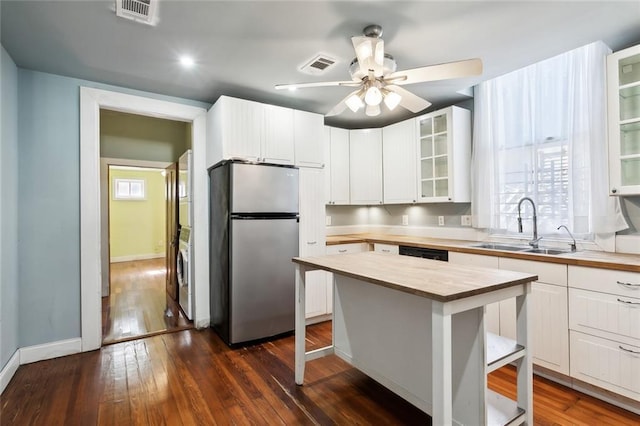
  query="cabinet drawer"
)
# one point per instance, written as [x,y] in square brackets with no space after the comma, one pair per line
[605,363]
[605,315]
[550,273]
[622,283]
[347,248]
[386,248]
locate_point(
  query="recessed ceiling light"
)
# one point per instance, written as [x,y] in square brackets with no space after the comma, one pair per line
[187,61]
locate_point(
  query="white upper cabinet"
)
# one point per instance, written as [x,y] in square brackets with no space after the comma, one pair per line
[337,170]
[249,130]
[399,152]
[623,90]
[444,156]
[309,139]
[365,166]
[277,143]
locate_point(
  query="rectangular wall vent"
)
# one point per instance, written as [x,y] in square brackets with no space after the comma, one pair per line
[319,64]
[138,10]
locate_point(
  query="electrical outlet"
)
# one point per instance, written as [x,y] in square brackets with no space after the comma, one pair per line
[405,219]
[440,220]
[328,221]
[465,220]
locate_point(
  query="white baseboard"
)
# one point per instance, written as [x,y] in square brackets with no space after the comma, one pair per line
[50,350]
[9,370]
[136,257]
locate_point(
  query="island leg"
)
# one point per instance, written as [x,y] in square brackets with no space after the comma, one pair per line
[441,387]
[524,364]
[300,325]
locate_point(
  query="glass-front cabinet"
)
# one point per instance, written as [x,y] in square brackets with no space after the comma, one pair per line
[444,156]
[623,90]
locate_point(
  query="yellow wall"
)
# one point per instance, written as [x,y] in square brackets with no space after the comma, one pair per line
[137,227]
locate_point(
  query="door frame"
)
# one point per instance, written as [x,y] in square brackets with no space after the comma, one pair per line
[91,101]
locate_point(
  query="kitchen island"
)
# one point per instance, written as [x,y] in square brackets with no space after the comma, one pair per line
[417,327]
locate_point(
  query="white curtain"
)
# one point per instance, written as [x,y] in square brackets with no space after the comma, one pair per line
[541,132]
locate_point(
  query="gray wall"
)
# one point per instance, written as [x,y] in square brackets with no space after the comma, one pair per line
[136,137]
[8,208]
[49,203]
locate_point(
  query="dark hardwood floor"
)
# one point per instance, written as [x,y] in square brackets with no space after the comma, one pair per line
[138,304]
[192,378]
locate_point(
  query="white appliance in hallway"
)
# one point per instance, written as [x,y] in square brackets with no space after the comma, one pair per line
[185,267]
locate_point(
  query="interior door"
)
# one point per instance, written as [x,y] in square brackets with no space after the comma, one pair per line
[171,196]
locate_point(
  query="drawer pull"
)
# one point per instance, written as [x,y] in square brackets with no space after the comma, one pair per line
[311,242]
[342,251]
[386,251]
[627,302]
[628,350]
[628,284]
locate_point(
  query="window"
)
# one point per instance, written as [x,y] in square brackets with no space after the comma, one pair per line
[540,132]
[128,189]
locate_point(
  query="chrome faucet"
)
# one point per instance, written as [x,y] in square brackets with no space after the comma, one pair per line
[573,244]
[534,242]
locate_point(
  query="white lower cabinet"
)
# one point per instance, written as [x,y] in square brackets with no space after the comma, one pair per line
[550,322]
[604,308]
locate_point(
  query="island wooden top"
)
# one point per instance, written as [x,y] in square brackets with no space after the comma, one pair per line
[433,279]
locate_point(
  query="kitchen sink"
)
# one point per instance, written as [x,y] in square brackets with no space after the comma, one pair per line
[546,251]
[498,246]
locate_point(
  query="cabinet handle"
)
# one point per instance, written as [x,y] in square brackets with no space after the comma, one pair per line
[342,251]
[386,250]
[627,302]
[628,284]
[311,242]
[628,350]
[613,190]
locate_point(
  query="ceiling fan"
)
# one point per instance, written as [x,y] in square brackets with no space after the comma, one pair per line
[373,73]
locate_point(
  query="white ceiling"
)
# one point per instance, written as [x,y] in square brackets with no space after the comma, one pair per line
[244,48]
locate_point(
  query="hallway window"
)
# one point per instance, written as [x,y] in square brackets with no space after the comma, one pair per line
[129,189]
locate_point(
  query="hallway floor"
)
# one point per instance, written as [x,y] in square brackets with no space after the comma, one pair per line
[138,304]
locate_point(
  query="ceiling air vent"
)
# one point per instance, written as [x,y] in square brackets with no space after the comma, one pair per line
[138,10]
[318,65]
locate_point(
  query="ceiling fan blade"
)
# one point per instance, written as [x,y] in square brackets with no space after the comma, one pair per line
[413,103]
[467,68]
[294,86]
[370,54]
[342,105]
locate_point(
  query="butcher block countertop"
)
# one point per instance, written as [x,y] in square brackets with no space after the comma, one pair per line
[433,279]
[594,259]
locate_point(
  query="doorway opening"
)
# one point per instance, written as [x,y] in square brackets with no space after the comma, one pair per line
[138,302]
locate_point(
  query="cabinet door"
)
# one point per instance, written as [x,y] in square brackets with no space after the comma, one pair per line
[444,156]
[340,249]
[365,166]
[312,238]
[550,327]
[339,159]
[623,92]
[278,143]
[399,163]
[309,139]
[242,128]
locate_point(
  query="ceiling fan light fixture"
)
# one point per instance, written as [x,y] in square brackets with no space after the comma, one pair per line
[354,102]
[372,110]
[392,100]
[373,96]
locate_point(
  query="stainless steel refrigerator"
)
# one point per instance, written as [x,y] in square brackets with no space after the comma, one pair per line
[254,234]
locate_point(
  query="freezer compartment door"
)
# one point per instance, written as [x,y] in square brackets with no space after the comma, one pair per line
[258,188]
[262,288]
